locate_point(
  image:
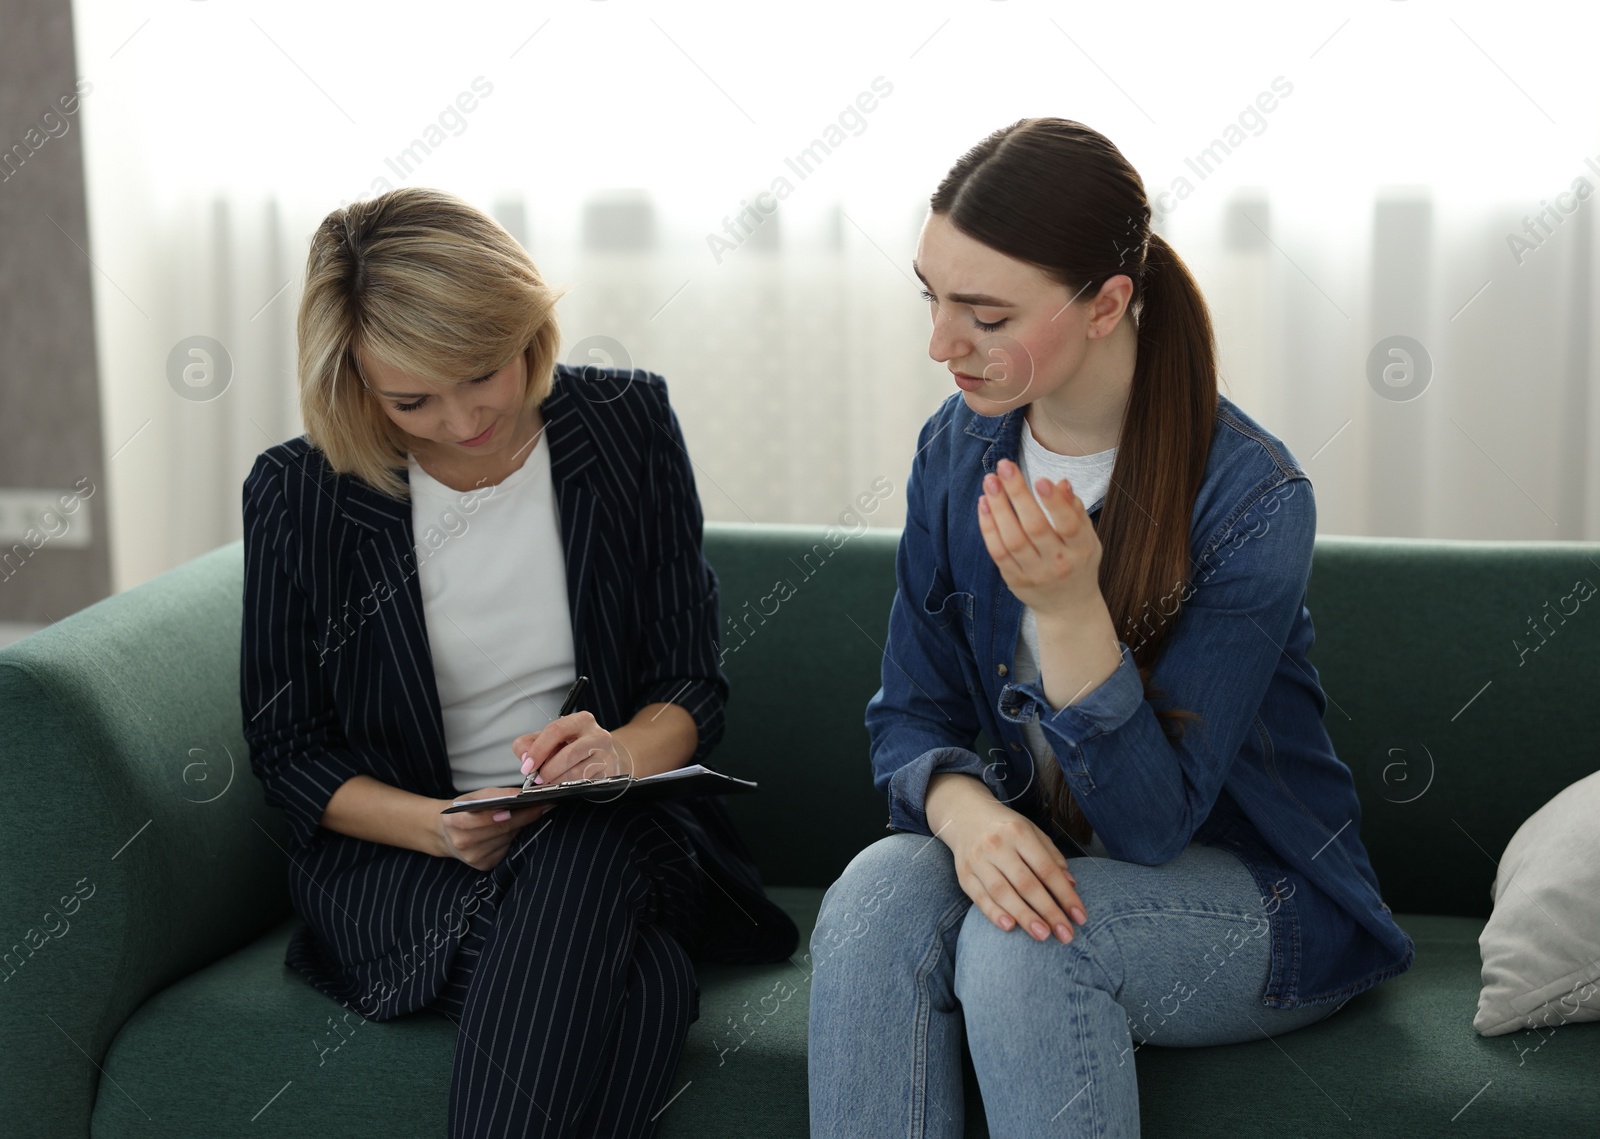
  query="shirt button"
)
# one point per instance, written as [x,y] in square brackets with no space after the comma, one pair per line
[1001,669]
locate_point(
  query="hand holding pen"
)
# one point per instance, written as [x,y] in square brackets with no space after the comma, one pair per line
[572,746]
[481,839]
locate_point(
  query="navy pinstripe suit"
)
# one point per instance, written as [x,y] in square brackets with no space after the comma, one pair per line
[336,679]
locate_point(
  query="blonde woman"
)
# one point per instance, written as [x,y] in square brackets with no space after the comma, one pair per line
[467,526]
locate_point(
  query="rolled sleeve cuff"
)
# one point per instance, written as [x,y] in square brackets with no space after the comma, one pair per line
[702,699]
[1104,710]
[908,787]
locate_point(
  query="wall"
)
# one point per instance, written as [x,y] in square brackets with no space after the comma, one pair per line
[55,556]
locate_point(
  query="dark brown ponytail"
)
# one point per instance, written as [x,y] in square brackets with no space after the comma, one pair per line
[1059,195]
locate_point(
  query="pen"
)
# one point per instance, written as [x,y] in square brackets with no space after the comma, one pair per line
[568,706]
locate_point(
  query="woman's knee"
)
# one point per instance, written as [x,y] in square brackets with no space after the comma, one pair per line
[902,882]
[901,868]
[996,968]
[994,963]
[577,837]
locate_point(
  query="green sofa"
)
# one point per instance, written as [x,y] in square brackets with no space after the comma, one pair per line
[144,989]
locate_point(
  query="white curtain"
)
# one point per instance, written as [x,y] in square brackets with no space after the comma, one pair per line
[1335,177]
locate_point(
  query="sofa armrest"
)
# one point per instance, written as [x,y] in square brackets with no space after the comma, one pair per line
[135,846]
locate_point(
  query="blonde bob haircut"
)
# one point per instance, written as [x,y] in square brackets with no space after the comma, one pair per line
[424,283]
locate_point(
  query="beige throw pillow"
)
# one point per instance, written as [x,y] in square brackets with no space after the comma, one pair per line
[1541,946]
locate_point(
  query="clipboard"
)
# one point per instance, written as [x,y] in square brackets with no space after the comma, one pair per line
[691,780]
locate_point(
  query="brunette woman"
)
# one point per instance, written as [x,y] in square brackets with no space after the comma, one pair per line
[1103,571]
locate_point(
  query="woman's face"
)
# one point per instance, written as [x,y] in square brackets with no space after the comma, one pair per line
[1008,334]
[473,421]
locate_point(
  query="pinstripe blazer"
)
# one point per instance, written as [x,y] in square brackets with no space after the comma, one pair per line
[337,679]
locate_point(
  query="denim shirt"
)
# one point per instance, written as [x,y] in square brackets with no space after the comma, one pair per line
[1257,775]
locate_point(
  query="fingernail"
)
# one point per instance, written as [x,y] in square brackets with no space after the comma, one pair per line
[538,779]
[501,816]
[1040,930]
[527,765]
[1007,921]
[1064,932]
[1078,915]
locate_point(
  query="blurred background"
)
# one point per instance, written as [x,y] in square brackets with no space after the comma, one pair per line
[1389,205]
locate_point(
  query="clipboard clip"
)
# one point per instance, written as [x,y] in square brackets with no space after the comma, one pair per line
[528,784]
[608,779]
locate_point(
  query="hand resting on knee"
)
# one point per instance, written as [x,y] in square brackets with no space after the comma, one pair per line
[1010,868]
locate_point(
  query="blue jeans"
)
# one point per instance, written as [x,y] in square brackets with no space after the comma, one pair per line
[903,963]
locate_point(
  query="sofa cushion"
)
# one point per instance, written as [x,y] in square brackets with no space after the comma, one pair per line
[246,1046]
[1541,948]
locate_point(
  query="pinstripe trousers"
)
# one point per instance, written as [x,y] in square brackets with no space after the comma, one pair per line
[573,987]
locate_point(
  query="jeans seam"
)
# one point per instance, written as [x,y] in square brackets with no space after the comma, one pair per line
[919,1046]
[1162,911]
[1083,1041]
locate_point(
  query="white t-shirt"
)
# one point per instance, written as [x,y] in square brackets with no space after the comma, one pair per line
[493,575]
[1090,476]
